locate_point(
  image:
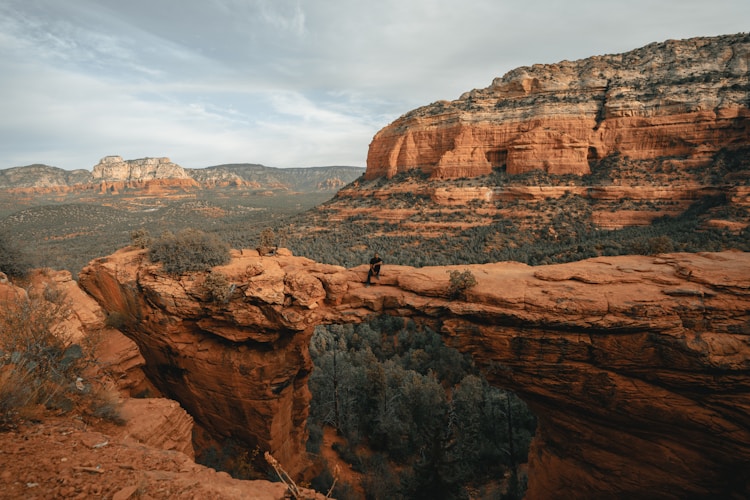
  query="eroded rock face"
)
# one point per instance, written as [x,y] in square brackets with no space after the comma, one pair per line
[685,99]
[638,368]
[241,367]
[114,168]
[149,453]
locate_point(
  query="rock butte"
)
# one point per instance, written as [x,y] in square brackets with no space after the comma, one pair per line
[638,368]
[685,99]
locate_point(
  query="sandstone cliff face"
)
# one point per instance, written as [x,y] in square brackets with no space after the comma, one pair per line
[150,453]
[638,368]
[240,368]
[114,168]
[685,99]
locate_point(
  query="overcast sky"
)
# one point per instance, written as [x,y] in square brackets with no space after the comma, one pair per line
[285,83]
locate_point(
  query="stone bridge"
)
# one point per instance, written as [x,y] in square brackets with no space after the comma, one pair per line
[637,367]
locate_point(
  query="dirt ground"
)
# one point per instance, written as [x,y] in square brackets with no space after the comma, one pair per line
[61,456]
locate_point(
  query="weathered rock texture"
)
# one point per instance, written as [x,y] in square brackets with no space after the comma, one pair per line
[638,368]
[114,168]
[685,99]
[148,454]
[236,367]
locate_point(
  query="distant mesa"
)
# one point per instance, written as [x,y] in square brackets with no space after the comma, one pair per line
[113,174]
[114,168]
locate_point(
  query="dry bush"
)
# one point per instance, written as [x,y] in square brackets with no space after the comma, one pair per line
[460,282]
[105,403]
[267,238]
[140,238]
[218,287]
[19,390]
[39,362]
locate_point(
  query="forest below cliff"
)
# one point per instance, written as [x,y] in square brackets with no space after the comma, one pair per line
[416,418]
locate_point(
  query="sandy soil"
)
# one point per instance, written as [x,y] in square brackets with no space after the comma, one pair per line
[63,456]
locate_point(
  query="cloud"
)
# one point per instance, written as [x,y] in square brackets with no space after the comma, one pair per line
[283,82]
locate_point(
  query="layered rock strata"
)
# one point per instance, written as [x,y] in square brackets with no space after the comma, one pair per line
[638,368]
[685,99]
[114,168]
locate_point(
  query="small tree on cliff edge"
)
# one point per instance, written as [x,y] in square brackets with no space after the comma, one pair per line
[267,242]
[460,282]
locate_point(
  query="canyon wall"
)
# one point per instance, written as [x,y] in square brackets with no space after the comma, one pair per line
[147,453]
[638,367]
[684,99]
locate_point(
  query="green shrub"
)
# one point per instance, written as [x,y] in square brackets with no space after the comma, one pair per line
[460,282]
[189,250]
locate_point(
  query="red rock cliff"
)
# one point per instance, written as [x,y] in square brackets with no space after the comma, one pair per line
[149,454]
[638,368]
[685,99]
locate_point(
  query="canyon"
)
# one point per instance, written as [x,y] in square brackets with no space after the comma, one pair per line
[636,366]
[143,449]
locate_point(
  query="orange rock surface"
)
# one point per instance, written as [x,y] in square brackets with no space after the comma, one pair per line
[638,368]
[64,457]
[685,99]
[149,454]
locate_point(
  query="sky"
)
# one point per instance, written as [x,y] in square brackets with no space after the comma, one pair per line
[284,83]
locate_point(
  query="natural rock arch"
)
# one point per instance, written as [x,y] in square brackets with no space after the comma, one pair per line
[637,367]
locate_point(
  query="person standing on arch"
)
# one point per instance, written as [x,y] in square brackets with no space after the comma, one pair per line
[374,270]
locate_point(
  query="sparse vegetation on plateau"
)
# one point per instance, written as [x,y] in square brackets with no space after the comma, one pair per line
[188,250]
[532,231]
[14,262]
[67,232]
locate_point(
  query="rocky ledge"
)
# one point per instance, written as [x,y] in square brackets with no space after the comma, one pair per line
[638,368]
